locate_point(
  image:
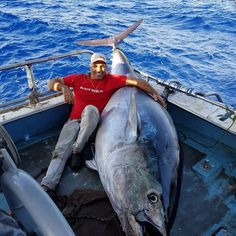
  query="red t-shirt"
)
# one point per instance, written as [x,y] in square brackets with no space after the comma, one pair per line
[92,92]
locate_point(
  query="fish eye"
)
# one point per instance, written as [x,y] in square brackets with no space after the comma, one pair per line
[153,198]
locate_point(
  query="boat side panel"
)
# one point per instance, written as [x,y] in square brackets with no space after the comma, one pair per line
[208,132]
[33,127]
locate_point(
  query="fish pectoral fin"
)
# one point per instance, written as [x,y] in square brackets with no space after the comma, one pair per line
[91,164]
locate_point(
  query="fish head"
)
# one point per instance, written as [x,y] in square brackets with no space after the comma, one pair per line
[152,217]
[148,218]
[145,218]
[137,197]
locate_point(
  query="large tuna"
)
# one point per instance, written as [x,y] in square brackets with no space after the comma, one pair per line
[137,153]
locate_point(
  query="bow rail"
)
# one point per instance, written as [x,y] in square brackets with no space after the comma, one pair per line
[34,95]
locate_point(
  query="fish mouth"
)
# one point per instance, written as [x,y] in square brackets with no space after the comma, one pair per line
[149,228]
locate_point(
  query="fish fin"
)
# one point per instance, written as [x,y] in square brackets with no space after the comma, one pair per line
[91,164]
[132,123]
[111,41]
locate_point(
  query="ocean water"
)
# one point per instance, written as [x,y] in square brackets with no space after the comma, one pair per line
[193,41]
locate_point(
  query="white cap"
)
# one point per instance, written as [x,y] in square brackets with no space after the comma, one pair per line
[98,57]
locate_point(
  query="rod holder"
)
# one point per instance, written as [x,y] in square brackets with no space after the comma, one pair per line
[30,77]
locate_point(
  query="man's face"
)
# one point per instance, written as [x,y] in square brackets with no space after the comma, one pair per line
[98,70]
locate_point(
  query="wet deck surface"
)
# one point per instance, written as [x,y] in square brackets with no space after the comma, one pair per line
[204,206]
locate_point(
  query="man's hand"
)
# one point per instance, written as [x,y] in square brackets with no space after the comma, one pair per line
[68,94]
[57,84]
[159,99]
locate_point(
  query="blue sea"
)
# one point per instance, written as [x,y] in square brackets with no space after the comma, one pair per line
[193,41]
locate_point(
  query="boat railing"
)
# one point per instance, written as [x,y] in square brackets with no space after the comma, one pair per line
[34,95]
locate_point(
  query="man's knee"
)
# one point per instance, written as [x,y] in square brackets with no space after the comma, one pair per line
[57,154]
[91,112]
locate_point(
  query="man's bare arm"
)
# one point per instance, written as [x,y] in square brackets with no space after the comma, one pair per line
[146,87]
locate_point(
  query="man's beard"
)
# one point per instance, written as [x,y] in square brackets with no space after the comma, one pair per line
[99,76]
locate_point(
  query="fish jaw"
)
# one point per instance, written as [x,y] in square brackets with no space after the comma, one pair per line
[140,224]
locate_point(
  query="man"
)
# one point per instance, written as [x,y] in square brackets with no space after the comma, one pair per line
[91,93]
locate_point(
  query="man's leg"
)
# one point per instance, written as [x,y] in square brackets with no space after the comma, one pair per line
[61,153]
[89,121]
